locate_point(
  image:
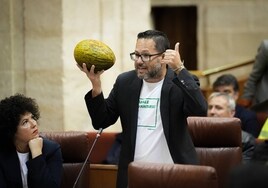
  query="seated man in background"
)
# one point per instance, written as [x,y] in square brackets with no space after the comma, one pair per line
[223,105]
[227,83]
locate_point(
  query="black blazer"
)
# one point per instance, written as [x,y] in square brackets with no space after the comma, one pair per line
[180,97]
[249,121]
[44,171]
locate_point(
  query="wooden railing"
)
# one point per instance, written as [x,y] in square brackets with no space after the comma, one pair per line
[205,74]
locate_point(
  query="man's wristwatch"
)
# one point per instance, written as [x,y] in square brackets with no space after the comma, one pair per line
[177,70]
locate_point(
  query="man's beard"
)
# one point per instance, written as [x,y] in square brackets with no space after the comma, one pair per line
[155,72]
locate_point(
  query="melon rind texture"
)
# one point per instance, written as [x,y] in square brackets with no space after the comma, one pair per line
[94,52]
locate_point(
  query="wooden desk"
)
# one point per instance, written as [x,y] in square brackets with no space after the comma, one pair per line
[102,176]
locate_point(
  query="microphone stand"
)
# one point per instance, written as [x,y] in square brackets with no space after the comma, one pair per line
[88,155]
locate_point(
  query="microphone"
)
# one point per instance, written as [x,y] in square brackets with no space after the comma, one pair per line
[88,155]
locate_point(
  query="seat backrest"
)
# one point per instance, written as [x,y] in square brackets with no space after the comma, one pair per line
[153,175]
[74,147]
[218,143]
[102,146]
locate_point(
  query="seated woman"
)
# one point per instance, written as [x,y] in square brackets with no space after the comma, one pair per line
[26,159]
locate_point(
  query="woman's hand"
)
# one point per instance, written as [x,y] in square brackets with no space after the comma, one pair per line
[36,146]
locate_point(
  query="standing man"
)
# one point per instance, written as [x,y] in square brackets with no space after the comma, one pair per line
[153,102]
[256,87]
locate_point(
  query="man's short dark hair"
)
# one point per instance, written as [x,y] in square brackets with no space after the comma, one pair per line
[160,39]
[226,80]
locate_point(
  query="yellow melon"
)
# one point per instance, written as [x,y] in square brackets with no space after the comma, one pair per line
[94,52]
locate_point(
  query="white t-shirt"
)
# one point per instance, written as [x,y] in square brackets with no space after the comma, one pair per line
[151,144]
[23,157]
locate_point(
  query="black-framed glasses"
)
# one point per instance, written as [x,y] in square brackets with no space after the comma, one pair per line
[144,57]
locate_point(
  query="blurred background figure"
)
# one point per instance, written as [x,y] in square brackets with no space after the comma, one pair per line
[227,83]
[223,105]
[255,92]
[249,176]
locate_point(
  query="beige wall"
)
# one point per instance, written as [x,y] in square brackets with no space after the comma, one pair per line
[229,31]
[110,21]
[12,70]
[38,38]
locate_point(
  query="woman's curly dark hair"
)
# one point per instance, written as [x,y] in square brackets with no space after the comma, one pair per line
[11,110]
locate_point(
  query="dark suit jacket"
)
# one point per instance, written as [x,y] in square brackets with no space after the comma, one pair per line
[249,121]
[180,98]
[44,171]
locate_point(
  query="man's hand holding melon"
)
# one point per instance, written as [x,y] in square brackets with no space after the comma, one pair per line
[94,57]
[94,52]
